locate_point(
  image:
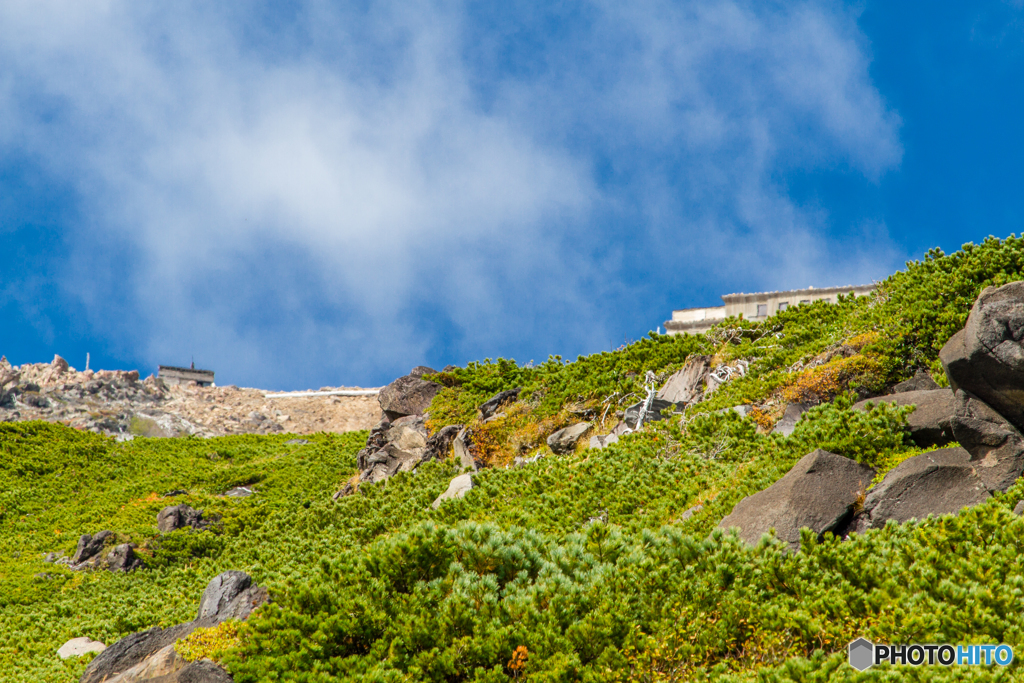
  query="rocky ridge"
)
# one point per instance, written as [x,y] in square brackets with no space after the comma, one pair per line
[118,403]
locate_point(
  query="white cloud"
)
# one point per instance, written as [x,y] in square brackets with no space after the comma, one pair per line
[300,194]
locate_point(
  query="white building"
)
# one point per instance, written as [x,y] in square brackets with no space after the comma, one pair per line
[757,306]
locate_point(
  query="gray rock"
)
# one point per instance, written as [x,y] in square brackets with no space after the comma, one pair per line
[819,493]
[203,671]
[995,445]
[785,426]
[440,445]
[690,512]
[297,442]
[123,558]
[935,483]
[659,408]
[1018,509]
[520,461]
[564,440]
[90,546]
[604,440]
[239,492]
[921,381]
[687,385]
[150,655]
[742,410]
[463,448]
[408,395]
[180,516]
[497,402]
[76,647]
[986,358]
[458,488]
[931,422]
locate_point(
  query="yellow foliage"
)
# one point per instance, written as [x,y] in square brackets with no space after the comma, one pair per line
[824,382]
[209,643]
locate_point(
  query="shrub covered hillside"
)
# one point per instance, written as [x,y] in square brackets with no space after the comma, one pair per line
[598,565]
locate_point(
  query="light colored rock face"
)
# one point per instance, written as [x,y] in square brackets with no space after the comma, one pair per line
[785,426]
[164,662]
[76,647]
[564,440]
[116,402]
[458,488]
[819,493]
[462,452]
[687,385]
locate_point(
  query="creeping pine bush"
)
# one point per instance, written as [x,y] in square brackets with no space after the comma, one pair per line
[599,565]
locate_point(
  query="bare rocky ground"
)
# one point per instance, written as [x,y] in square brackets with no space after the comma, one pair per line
[118,403]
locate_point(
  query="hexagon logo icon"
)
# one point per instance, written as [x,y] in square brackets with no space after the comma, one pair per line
[862,654]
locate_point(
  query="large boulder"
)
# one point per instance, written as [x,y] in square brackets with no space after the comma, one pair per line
[934,483]
[565,440]
[150,655]
[408,395]
[175,517]
[986,358]
[818,493]
[89,546]
[687,385]
[996,447]
[931,422]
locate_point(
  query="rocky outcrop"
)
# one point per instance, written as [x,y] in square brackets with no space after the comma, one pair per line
[99,551]
[986,358]
[408,395]
[818,493]
[150,655]
[491,406]
[660,409]
[175,517]
[934,483]
[931,422]
[119,404]
[465,450]
[995,446]
[459,487]
[564,440]
[439,446]
[686,386]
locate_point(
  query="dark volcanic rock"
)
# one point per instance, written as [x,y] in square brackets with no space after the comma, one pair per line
[440,445]
[935,483]
[230,595]
[931,422]
[90,546]
[996,447]
[178,517]
[986,358]
[497,402]
[123,559]
[408,395]
[655,413]
[818,493]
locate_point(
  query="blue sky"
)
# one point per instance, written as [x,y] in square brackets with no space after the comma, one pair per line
[300,194]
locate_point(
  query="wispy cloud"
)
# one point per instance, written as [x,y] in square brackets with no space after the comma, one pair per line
[333,194]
